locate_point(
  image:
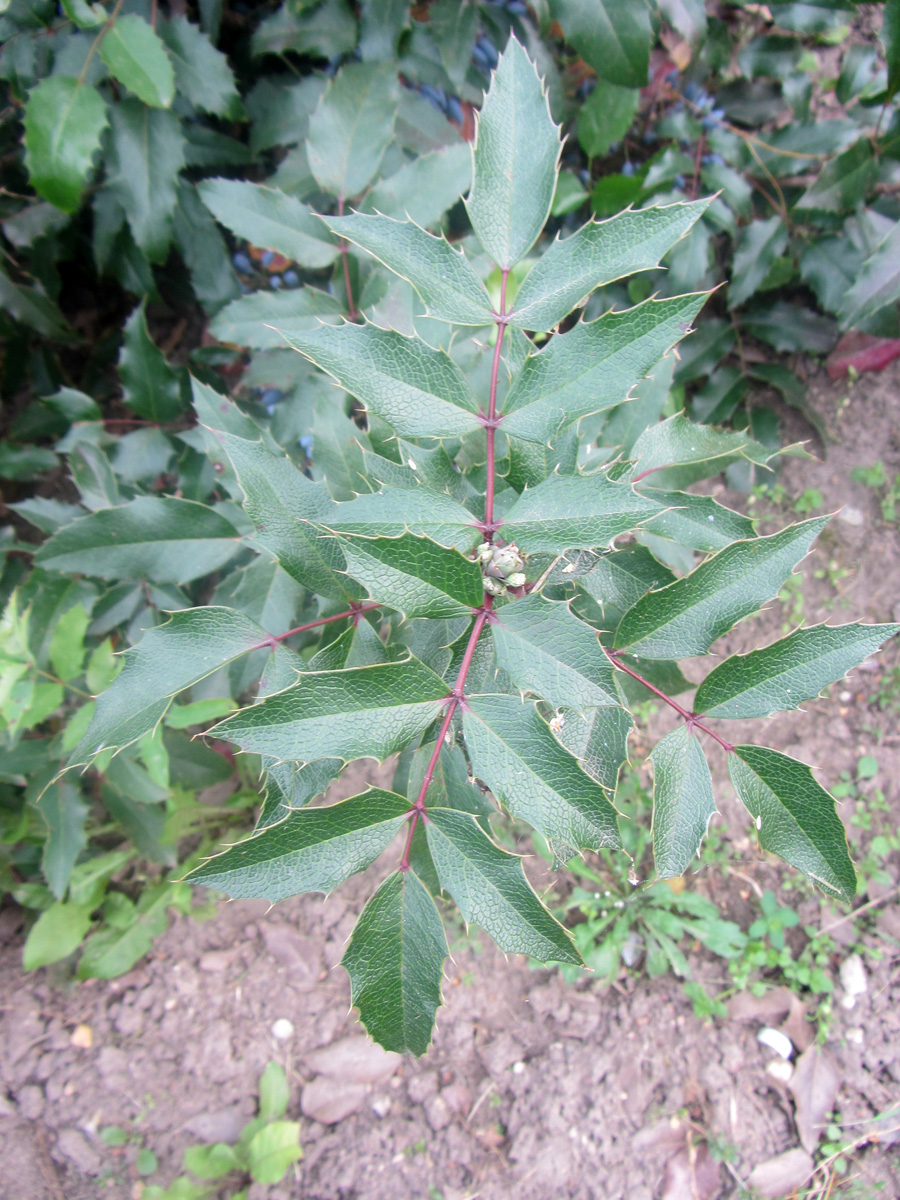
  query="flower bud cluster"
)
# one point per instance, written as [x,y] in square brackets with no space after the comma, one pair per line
[502,567]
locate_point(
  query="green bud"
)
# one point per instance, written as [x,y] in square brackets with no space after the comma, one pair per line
[517,579]
[494,587]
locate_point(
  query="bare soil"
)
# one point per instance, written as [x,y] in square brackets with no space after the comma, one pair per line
[532,1088]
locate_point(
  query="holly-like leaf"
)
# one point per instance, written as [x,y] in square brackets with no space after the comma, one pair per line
[289,786]
[682,801]
[599,740]
[313,850]
[514,752]
[281,502]
[575,511]
[136,57]
[65,812]
[491,890]
[202,73]
[168,658]
[450,785]
[145,156]
[204,251]
[419,391]
[516,152]
[620,579]
[84,14]
[352,126]
[878,283]
[151,388]
[264,319]
[795,816]
[364,711]
[64,121]
[683,444]
[791,670]
[605,118]
[612,35]
[416,576]
[395,511]
[686,617]
[761,244]
[598,253]
[594,366]
[844,183]
[270,218]
[395,961]
[423,189]
[696,521]
[890,40]
[159,538]
[442,276]
[547,651]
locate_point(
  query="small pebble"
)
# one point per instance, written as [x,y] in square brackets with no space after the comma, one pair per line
[855,1035]
[779,1069]
[518,1068]
[851,516]
[776,1040]
[283,1029]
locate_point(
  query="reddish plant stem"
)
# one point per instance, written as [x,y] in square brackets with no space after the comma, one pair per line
[491,426]
[354,612]
[693,720]
[453,702]
[649,471]
[351,307]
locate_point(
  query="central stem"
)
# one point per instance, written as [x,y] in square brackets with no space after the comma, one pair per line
[351,307]
[491,427]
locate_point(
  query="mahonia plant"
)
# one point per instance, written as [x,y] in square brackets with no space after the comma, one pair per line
[494,602]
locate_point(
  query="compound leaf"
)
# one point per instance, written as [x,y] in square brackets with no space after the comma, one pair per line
[395,961]
[686,617]
[516,152]
[270,218]
[352,126]
[442,276]
[514,752]
[575,511]
[64,121]
[416,576]
[419,391]
[795,816]
[594,366]
[547,651]
[360,712]
[598,253]
[159,538]
[791,670]
[136,57]
[490,888]
[312,850]
[168,658]
[682,801]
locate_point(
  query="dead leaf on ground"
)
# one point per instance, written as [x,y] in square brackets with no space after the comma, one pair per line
[814,1086]
[691,1174]
[780,1175]
[661,1137]
[797,1026]
[768,1007]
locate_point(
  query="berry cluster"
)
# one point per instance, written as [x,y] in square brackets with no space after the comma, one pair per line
[502,567]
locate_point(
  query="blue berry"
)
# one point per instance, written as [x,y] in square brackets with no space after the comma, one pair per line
[690,90]
[242,263]
[518,8]
[271,397]
[488,49]
[679,181]
[649,137]
[291,279]
[306,443]
[275,281]
[628,169]
[713,160]
[454,109]
[267,258]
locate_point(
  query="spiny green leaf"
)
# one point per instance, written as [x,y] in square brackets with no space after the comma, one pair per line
[620,578]
[419,391]
[202,73]
[352,126]
[682,801]
[594,366]
[159,538]
[65,812]
[599,740]
[64,121]
[262,320]
[686,617]
[145,157]
[844,183]
[547,651]
[598,253]
[423,189]
[418,510]
[442,276]
[604,118]
[312,850]
[289,786]
[514,752]
[450,785]
[137,58]
[760,245]
[678,442]
[364,711]
[151,387]
[795,816]
[783,675]
[168,658]
[416,576]
[491,890]
[695,521]
[614,36]
[574,511]
[395,961]
[516,152]
[878,283]
[270,218]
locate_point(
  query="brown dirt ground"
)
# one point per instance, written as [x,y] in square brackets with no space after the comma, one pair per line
[532,1089]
